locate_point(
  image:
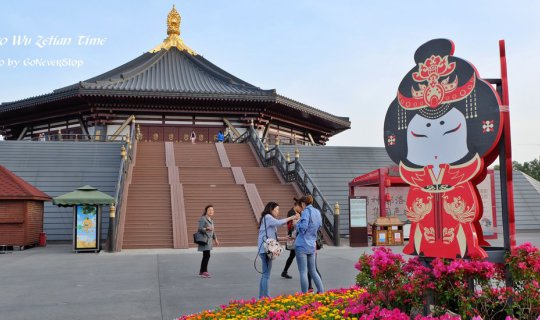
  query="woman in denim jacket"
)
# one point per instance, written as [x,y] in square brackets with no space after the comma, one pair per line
[306,235]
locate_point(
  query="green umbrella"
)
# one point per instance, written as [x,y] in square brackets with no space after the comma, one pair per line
[83,195]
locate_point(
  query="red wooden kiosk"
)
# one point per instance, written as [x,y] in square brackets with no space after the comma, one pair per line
[383,178]
[21,211]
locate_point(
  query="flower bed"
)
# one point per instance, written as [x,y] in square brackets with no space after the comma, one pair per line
[468,288]
[351,303]
[390,287]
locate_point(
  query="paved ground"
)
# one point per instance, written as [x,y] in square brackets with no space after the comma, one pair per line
[54,283]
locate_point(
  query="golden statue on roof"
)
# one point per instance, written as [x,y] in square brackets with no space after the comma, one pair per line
[173,34]
[173,22]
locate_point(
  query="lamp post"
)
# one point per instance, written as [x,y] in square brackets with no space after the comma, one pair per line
[336,224]
[112,228]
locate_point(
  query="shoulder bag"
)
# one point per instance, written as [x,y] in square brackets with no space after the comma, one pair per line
[200,238]
[272,247]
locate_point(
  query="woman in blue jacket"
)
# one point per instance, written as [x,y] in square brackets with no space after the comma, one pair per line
[306,235]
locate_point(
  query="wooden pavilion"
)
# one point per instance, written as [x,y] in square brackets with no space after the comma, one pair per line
[171,90]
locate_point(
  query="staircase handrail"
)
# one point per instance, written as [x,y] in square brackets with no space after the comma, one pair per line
[308,186]
[298,174]
[231,128]
[76,137]
[242,138]
[129,144]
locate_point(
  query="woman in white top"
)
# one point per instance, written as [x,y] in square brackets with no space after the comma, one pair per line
[268,230]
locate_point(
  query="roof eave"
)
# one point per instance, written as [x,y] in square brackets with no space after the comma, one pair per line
[339,121]
[37,100]
[266,96]
[34,198]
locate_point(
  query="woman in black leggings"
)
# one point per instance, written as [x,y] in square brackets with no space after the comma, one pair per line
[206,224]
[296,209]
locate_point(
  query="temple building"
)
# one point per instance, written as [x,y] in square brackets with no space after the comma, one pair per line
[171,90]
[161,181]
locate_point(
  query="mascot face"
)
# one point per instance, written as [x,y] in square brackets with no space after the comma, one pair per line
[436,141]
[443,113]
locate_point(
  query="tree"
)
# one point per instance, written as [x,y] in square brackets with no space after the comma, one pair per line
[531,168]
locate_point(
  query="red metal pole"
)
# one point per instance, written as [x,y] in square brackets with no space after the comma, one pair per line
[507,147]
[491,176]
[382,191]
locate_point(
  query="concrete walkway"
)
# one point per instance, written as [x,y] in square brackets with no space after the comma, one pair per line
[54,283]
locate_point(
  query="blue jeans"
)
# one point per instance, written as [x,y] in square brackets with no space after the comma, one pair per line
[266,269]
[306,263]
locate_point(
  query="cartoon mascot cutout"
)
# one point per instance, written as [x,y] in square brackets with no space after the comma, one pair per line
[442,130]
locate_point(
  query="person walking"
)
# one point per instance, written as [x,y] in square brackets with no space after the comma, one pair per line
[206,225]
[295,210]
[193,136]
[268,230]
[306,236]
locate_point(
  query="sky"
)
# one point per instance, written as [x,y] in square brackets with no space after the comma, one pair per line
[346,57]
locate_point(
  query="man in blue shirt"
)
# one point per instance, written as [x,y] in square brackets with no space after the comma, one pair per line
[220,136]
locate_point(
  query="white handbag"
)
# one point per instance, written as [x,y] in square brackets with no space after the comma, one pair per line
[272,248]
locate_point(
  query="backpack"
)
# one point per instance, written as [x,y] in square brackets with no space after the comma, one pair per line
[319,240]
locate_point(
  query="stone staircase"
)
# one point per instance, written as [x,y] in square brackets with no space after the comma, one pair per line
[227,176]
[206,182]
[234,220]
[267,180]
[148,218]
[240,155]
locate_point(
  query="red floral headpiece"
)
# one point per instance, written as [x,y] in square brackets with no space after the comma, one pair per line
[436,92]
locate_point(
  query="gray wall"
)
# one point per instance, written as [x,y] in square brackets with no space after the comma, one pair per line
[526,202]
[60,167]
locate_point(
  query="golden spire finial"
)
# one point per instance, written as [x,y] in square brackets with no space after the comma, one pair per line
[173,22]
[173,34]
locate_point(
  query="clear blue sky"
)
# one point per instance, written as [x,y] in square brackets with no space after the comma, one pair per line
[345,57]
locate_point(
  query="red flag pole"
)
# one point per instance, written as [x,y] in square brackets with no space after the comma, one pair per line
[505,159]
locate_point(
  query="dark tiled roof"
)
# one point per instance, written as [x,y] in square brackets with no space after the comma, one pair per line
[14,188]
[172,71]
[177,74]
